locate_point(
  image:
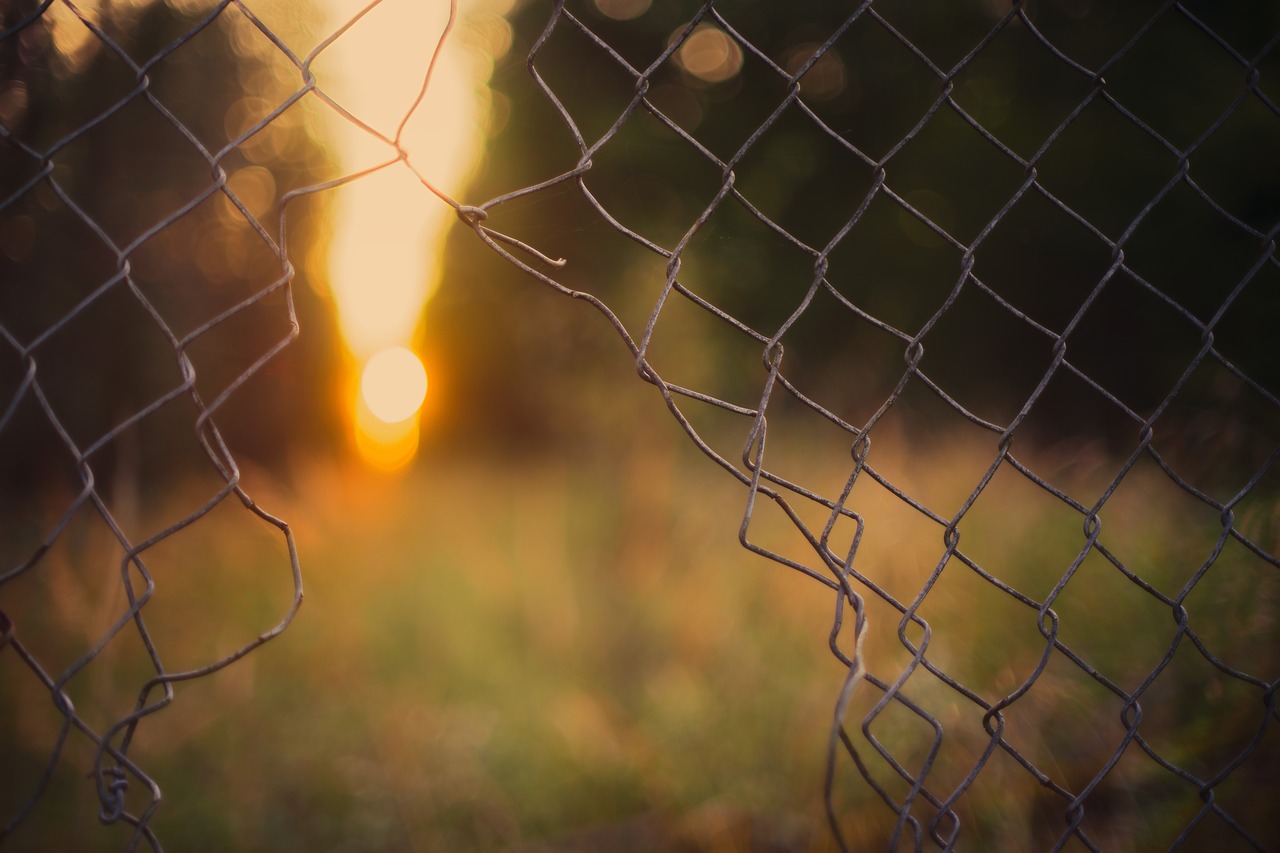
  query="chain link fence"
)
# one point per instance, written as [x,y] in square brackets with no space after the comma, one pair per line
[974,300]
[140,293]
[935,232]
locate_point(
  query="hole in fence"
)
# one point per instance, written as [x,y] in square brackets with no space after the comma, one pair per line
[671,685]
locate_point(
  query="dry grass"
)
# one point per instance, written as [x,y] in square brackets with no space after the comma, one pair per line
[574,653]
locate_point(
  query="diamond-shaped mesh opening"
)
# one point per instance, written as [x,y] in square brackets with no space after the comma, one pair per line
[797,437]
[51,252]
[791,172]
[1232,714]
[896,554]
[1190,253]
[265,79]
[659,211]
[1211,450]
[1014,68]
[1241,331]
[261,324]
[215,244]
[735,107]
[1105,168]
[1067,723]
[834,356]
[694,348]
[1002,644]
[1071,29]
[175,608]
[1046,283]
[76,368]
[609,83]
[945,41]
[1096,602]
[1040,537]
[1154,82]
[1225,624]
[1139,363]
[125,194]
[1231,169]
[890,89]
[1069,395]
[1150,557]
[957,444]
[960,201]
[55,52]
[1016,444]
[763,304]
[950,356]
[889,251]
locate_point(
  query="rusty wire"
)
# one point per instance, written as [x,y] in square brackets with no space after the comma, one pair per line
[114,773]
[884,699]
[925,799]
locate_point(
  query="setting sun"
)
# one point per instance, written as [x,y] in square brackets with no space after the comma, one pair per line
[393,384]
[385,257]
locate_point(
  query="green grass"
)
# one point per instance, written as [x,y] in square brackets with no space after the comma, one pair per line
[489,654]
[575,650]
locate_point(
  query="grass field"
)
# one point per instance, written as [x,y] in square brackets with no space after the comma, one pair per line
[573,652]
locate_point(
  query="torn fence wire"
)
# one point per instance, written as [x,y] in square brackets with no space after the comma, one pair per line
[1028,247]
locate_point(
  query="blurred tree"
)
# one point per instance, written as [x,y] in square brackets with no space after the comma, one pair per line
[97,181]
[1107,184]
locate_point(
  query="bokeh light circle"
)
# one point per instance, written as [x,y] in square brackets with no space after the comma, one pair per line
[393,384]
[710,55]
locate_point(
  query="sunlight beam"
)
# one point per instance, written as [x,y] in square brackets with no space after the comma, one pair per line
[385,256]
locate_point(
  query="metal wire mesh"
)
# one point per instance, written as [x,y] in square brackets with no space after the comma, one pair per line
[947,719]
[115,369]
[1108,679]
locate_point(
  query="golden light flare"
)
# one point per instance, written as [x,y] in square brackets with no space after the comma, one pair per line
[382,445]
[710,55]
[393,384]
[388,408]
[826,78]
[388,227]
[623,10]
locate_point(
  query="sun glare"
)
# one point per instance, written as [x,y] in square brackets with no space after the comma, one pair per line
[394,384]
[382,445]
[388,228]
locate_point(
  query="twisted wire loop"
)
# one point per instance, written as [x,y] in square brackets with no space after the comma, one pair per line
[1056,709]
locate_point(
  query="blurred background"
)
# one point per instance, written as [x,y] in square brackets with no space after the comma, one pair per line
[529,622]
